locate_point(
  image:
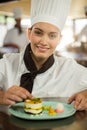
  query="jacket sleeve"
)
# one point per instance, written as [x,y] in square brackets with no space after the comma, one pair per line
[9,65]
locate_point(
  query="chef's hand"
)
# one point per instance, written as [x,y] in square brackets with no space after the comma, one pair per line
[15,94]
[80,100]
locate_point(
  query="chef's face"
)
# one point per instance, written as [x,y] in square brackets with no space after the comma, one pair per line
[44,39]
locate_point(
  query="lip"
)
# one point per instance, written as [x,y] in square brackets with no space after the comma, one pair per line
[42,48]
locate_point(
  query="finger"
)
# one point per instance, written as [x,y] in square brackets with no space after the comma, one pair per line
[21,92]
[27,93]
[15,98]
[79,100]
[82,105]
[24,94]
[76,104]
[9,102]
[71,99]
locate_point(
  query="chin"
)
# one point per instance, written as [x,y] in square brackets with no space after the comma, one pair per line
[42,58]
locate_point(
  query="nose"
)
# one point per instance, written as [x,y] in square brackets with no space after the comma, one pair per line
[44,39]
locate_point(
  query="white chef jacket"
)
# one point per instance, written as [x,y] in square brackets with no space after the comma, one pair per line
[64,78]
[13,36]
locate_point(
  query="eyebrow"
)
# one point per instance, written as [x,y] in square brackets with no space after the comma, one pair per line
[43,31]
[39,29]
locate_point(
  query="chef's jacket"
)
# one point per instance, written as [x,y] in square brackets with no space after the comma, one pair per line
[63,79]
[13,36]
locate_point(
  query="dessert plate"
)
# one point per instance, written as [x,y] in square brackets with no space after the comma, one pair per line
[18,111]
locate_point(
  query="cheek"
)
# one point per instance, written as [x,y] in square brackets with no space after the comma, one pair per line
[54,44]
[34,39]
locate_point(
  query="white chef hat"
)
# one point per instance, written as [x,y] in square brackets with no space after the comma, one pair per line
[17,13]
[51,11]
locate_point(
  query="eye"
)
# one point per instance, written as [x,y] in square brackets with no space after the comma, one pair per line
[52,36]
[39,33]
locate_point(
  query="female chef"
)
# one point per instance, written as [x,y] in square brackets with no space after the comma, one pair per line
[37,71]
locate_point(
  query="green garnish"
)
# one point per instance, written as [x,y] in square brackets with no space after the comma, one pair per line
[36,99]
[46,108]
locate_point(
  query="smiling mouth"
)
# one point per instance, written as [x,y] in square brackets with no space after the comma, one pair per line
[42,49]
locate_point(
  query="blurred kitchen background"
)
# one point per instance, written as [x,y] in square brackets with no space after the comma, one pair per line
[73,44]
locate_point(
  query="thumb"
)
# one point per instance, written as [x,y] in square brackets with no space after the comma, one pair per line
[71,99]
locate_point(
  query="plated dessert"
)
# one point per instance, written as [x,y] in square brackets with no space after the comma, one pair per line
[33,106]
[49,111]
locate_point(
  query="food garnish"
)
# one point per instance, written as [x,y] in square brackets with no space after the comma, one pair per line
[51,112]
